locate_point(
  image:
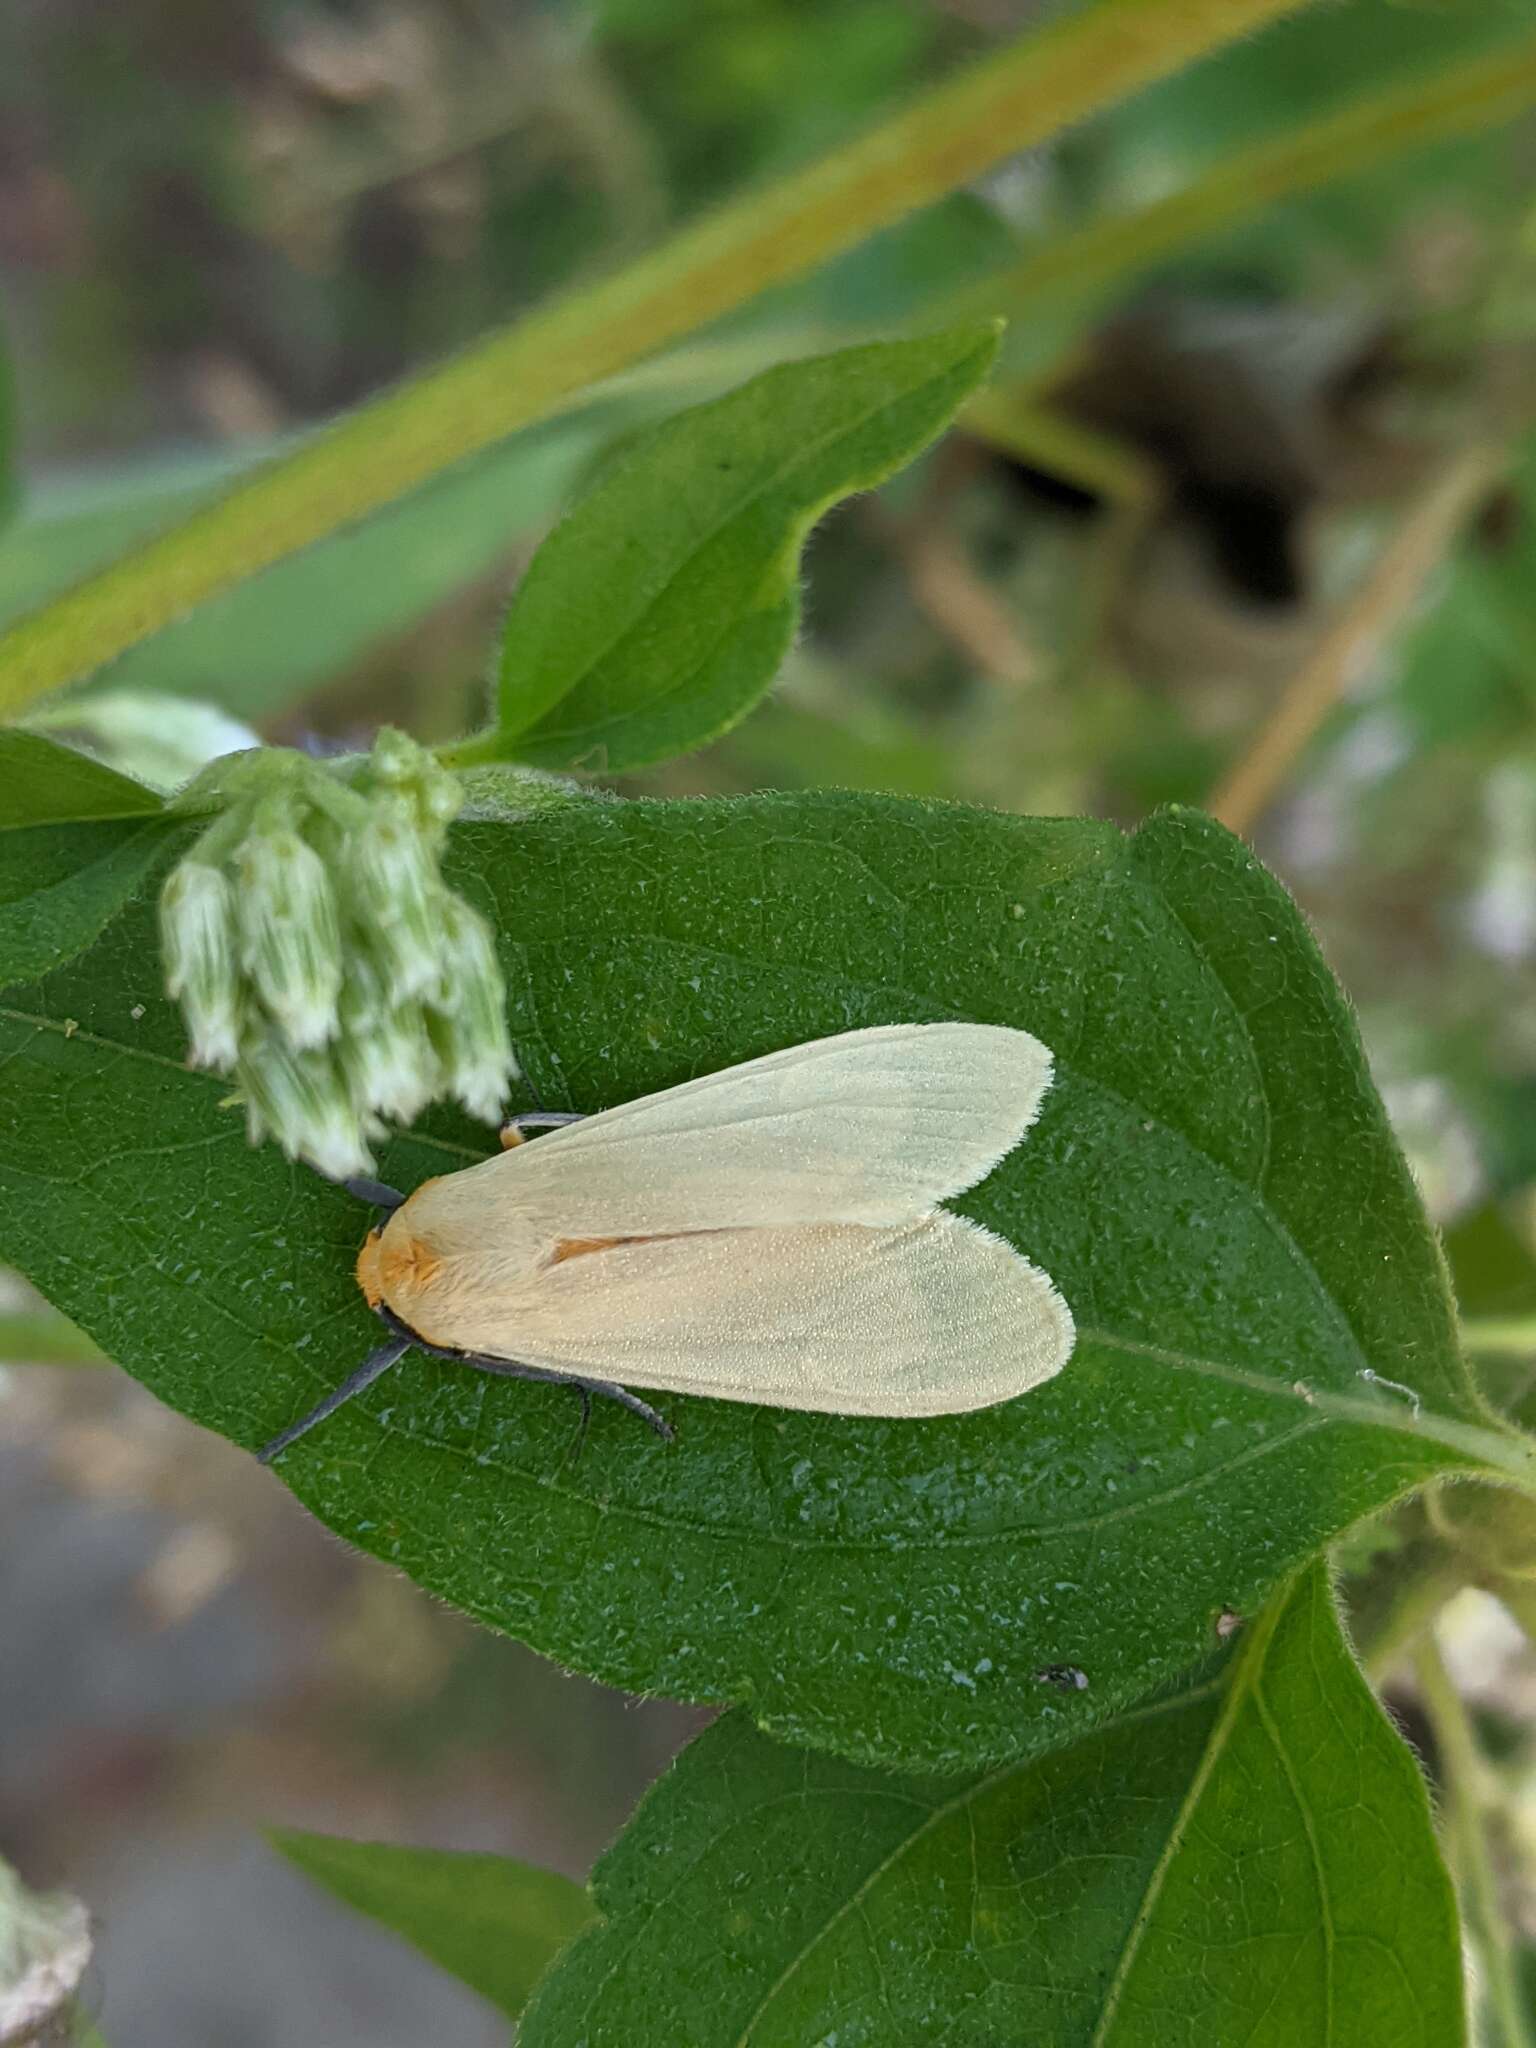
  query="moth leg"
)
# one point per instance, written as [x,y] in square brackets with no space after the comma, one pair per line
[580,1443]
[536,1120]
[375,1364]
[376,1192]
[510,1368]
[610,1390]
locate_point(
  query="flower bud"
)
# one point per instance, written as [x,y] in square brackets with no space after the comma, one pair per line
[197,941]
[395,759]
[301,1099]
[399,765]
[319,956]
[364,997]
[469,1018]
[289,942]
[441,798]
[392,889]
[384,1051]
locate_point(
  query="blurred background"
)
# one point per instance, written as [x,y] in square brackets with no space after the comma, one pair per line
[1250,522]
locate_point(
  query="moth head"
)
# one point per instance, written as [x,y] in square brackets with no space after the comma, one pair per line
[369,1278]
[398,1265]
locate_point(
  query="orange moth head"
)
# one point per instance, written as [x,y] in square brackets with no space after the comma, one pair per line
[397,1267]
[369,1277]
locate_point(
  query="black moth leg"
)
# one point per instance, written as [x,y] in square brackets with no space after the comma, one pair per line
[509,1368]
[579,1442]
[608,1390]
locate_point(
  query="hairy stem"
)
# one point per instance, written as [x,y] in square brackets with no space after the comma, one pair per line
[1467,1797]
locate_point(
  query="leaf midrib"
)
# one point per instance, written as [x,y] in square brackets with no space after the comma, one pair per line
[1326,1408]
[778,1539]
[848,1546]
[1329,1407]
[108,858]
[1333,1308]
[1314,1851]
[601,730]
[1240,1680]
[935,1818]
[147,814]
[1449,1431]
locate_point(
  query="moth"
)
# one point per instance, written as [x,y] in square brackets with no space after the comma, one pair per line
[770,1233]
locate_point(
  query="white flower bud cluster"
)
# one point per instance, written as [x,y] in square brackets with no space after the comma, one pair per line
[320,958]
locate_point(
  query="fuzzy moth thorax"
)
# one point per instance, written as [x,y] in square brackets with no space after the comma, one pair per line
[451,1265]
[398,1267]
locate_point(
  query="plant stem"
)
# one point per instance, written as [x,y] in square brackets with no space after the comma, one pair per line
[1411,1616]
[1466,1799]
[1047,80]
[1364,624]
[1018,422]
[1500,1336]
[1477,95]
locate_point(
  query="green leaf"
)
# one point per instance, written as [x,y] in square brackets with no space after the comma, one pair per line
[1318,60]
[45,783]
[256,649]
[1212,1183]
[1020,95]
[658,612]
[1250,1861]
[76,840]
[1387,143]
[10,484]
[61,884]
[491,1921]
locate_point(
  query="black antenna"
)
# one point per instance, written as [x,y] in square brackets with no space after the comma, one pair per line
[373,1367]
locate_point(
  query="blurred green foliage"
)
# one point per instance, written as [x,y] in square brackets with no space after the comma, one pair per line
[489,1920]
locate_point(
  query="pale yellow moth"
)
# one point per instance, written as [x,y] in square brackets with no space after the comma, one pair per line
[770,1233]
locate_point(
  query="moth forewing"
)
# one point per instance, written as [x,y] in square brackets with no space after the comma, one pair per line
[875,1126]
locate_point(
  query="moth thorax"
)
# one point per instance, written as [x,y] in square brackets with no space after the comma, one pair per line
[395,1265]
